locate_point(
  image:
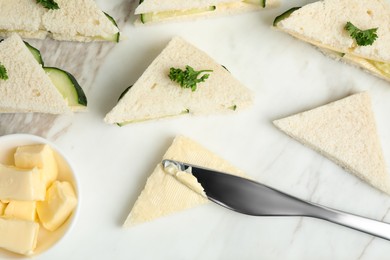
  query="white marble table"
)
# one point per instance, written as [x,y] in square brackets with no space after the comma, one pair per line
[113,163]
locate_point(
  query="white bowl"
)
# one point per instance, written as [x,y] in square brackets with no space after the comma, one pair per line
[46,239]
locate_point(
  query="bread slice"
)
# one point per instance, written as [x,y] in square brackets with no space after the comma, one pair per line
[164,194]
[322,24]
[20,15]
[154,95]
[345,132]
[185,9]
[28,88]
[73,21]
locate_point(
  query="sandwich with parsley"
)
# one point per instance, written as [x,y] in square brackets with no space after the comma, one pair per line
[26,85]
[354,31]
[68,20]
[150,11]
[181,80]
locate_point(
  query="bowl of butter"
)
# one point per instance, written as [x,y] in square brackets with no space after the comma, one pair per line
[39,196]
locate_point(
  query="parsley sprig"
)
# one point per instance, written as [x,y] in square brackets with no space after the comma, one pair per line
[188,78]
[363,38]
[3,72]
[48,4]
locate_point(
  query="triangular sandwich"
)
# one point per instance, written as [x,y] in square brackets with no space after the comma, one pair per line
[155,95]
[345,132]
[26,86]
[354,31]
[164,194]
[69,20]
[157,11]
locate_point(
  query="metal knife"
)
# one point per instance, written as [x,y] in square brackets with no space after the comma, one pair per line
[253,198]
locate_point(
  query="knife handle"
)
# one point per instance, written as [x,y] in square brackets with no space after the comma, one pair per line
[366,225]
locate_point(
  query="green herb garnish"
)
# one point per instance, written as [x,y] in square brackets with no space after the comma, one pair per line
[188,78]
[363,38]
[3,72]
[48,4]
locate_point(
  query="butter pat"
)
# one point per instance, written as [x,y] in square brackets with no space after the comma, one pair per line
[40,156]
[21,184]
[18,236]
[59,204]
[2,207]
[25,210]
[186,178]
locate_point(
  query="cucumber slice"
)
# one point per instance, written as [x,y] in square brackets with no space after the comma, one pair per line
[115,37]
[225,68]
[284,15]
[153,17]
[35,52]
[65,83]
[68,86]
[382,66]
[262,3]
[124,92]
[234,107]
[185,111]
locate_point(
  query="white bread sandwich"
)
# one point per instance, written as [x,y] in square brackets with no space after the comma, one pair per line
[26,86]
[159,92]
[163,194]
[69,20]
[151,11]
[354,31]
[345,132]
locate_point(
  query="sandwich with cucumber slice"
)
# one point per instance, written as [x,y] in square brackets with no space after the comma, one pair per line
[354,31]
[26,85]
[182,80]
[67,20]
[152,11]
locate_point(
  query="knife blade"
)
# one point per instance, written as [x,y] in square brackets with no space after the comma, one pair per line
[256,199]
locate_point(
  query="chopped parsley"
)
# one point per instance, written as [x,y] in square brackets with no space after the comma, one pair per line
[188,78]
[362,37]
[3,72]
[48,4]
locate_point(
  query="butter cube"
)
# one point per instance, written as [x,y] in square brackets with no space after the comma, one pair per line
[60,202]
[40,156]
[2,207]
[18,236]
[25,210]
[21,184]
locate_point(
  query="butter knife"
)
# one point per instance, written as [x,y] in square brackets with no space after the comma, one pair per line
[256,199]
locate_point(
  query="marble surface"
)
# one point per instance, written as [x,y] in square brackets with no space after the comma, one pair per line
[113,163]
